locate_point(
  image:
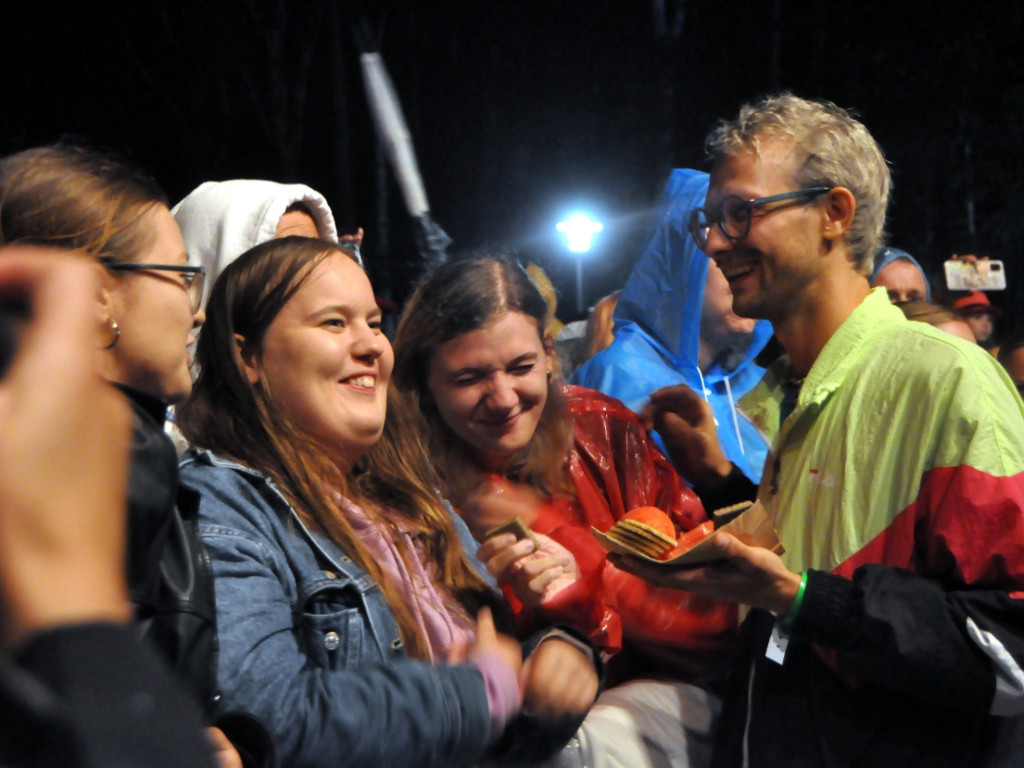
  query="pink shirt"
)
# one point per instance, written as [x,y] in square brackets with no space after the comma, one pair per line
[438,616]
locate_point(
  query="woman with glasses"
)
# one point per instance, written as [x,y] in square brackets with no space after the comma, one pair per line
[147,313]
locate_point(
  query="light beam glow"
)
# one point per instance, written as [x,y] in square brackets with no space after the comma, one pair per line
[579,230]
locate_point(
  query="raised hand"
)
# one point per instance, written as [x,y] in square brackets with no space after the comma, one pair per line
[63,456]
[687,427]
[536,574]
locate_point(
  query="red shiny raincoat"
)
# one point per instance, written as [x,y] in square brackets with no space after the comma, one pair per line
[652,631]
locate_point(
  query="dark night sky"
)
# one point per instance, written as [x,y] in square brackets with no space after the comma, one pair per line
[520,109]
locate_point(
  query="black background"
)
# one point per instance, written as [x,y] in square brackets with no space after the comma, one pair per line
[521,110]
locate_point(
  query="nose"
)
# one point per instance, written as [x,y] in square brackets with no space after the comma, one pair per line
[368,342]
[501,395]
[716,242]
[198,317]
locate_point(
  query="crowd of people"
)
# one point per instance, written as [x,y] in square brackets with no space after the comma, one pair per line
[314,545]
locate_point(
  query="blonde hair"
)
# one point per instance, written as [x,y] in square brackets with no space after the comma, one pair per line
[840,152]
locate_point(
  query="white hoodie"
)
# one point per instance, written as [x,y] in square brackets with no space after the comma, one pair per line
[221,220]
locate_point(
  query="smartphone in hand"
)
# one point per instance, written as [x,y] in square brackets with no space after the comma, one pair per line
[981,275]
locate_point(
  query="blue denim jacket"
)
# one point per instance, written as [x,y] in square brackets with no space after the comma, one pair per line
[308,644]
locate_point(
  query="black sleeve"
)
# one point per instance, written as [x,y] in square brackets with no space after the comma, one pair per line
[963,648]
[732,489]
[95,685]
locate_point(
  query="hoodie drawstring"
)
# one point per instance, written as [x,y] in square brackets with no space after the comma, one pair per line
[732,408]
[704,393]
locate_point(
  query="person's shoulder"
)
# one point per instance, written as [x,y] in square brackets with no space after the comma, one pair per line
[203,467]
[923,346]
[589,403]
[231,493]
[585,398]
[950,371]
[630,369]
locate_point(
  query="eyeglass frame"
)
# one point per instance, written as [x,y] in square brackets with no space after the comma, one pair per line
[195,274]
[694,228]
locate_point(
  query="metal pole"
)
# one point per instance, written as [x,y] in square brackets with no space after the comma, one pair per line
[579,284]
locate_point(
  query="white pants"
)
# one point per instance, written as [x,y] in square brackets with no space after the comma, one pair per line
[645,724]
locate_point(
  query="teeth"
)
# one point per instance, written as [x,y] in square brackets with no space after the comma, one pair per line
[362,381]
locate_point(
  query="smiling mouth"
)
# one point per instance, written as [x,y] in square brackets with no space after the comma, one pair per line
[365,380]
[504,421]
[736,271]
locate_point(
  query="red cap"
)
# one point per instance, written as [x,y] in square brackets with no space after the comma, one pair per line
[975,303]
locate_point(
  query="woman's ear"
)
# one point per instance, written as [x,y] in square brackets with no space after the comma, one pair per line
[249,358]
[840,205]
[107,307]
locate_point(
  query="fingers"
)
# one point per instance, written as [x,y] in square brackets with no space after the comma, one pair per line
[486,634]
[679,398]
[673,424]
[500,553]
[224,752]
[552,572]
[689,578]
[357,238]
[529,571]
[648,415]
[745,574]
[55,344]
[458,652]
[489,641]
[63,459]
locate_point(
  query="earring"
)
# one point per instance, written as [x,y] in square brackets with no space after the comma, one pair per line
[117,335]
[549,374]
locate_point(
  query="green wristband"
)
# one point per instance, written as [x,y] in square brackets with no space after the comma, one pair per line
[794,609]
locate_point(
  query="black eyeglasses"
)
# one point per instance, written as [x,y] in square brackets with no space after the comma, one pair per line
[734,214]
[192,276]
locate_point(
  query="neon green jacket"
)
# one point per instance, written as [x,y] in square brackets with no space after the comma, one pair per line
[895,422]
[897,484]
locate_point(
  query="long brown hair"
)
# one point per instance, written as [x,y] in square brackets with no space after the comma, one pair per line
[460,297]
[229,416]
[66,196]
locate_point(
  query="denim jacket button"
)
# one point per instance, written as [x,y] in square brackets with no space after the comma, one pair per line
[331,640]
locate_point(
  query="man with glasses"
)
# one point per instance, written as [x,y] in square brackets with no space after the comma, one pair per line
[674,324]
[891,631]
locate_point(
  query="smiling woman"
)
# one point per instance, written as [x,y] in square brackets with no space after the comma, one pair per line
[509,440]
[355,621]
[326,361]
[490,386]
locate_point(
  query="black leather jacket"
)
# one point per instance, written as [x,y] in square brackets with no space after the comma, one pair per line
[169,574]
[170,578]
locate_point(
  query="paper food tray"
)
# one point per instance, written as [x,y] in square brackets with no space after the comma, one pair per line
[751,526]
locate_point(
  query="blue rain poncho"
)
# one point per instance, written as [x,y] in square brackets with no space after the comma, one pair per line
[657,331]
